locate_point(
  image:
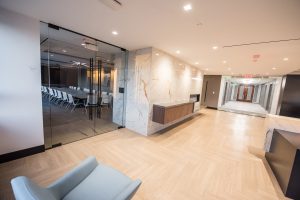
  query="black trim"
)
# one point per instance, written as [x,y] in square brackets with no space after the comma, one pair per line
[53,26]
[59,27]
[120,127]
[56,145]
[21,153]
[44,41]
[212,108]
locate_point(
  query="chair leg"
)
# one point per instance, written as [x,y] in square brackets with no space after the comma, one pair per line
[73,107]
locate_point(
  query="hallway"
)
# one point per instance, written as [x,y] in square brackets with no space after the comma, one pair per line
[244,107]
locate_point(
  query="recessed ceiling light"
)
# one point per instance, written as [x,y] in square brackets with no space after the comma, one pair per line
[187,7]
[51,55]
[157,54]
[274,68]
[224,61]
[206,69]
[178,52]
[83,44]
[180,64]
[215,47]
[196,63]
[115,33]
[285,59]
[64,50]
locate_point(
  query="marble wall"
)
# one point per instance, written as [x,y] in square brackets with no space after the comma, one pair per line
[119,82]
[156,77]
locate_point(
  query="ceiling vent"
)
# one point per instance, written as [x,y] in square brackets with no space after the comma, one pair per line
[113,4]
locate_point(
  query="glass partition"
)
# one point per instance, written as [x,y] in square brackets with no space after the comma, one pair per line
[83,83]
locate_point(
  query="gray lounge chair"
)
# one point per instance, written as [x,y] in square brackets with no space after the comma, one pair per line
[88,181]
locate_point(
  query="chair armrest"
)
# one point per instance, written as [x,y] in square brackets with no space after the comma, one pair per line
[129,191]
[70,180]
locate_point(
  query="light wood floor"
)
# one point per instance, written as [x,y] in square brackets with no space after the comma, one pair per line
[216,155]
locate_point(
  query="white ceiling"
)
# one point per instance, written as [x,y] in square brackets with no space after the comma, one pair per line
[163,24]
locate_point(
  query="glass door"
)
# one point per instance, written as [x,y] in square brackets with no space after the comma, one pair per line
[82,81]
[111,63]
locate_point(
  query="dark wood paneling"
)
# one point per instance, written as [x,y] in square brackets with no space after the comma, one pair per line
[211,90]
[167,114]
[284,160]
[290,105]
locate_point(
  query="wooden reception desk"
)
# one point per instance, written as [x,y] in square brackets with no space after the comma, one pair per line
[284,160]
[170,112]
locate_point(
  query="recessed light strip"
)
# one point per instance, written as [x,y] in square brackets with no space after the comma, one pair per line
[266,42]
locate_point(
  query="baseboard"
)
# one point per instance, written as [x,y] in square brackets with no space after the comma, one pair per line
[21,153]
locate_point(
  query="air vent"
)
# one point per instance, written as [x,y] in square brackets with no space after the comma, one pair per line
[113,4]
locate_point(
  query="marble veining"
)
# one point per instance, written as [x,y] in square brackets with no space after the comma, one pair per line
[156,77]
[118,98]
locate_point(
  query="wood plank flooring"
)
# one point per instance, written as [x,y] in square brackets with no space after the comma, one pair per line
[216,155]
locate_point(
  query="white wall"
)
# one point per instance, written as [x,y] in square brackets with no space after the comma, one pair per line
[276,95]
[21,124]
[222,90]
[119,82]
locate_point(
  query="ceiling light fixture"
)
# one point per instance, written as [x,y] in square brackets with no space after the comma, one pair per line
[285,59]
[64,50]
[224,61]
[196,63]
[274,68]
[178,52]
[215,47]
[83,44]
[115,33]
[157,54]
[187,7]
[51,55]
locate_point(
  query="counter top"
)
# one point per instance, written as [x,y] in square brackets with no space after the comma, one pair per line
[172,104]
[293,138]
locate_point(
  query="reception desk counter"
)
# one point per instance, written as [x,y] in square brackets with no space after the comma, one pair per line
[170,112]
[284,160]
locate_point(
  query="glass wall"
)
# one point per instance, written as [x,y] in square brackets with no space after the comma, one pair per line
[83,83]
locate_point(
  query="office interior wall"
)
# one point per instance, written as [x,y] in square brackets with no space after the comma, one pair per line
[21,122]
